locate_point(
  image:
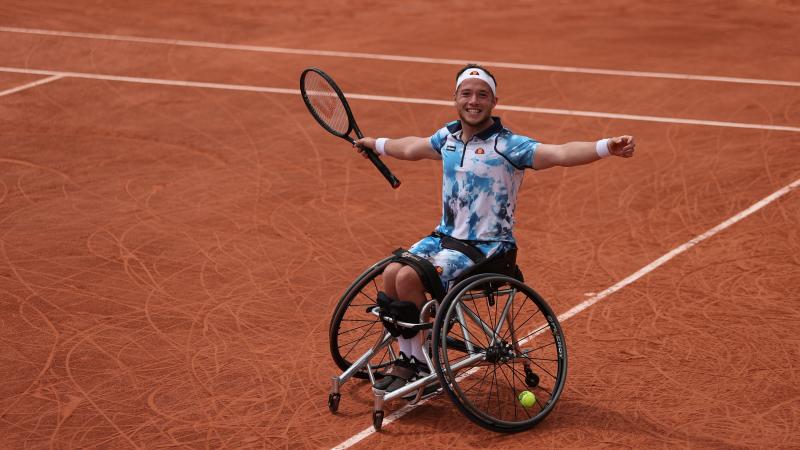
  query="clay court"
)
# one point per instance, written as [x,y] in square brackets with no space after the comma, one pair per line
[175,229]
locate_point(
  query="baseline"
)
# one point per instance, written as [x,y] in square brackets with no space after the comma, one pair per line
[411,100]
[416,59]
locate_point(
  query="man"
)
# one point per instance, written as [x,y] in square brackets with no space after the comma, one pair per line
[483,165]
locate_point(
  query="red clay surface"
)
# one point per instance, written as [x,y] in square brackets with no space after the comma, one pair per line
[170,256]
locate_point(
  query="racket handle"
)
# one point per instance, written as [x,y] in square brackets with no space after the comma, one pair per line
[382,168]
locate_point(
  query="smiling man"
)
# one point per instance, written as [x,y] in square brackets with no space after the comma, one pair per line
[483,164]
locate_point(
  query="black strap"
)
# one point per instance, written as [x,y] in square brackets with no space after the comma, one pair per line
[464,247]
[427,273]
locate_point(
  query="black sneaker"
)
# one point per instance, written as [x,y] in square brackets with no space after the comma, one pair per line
[418,370]
[397,375]
[422,371]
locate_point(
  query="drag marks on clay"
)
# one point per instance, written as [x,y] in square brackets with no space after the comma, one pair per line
[179,287]
[169,321]
[709,332]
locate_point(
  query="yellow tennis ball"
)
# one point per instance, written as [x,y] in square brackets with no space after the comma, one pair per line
[527,399]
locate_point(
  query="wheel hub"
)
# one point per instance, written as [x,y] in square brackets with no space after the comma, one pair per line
[499,352]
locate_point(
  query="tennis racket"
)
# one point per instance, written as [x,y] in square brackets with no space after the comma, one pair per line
[327,104]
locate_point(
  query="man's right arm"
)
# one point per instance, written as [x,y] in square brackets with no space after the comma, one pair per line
[410,148]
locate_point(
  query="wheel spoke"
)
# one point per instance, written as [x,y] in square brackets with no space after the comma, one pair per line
[540,366]
[367,334]
[514,391]
[476,383]
[518,327]
[533,333]
[356,328]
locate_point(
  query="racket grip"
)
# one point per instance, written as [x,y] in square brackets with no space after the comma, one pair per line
[382,168]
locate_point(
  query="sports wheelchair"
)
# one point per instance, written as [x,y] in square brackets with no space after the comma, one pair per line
[487,339]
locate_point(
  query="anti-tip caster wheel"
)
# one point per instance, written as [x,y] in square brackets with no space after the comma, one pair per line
[377,420]
[333,402]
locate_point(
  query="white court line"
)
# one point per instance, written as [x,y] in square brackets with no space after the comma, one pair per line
[400,58]
[600,296]
[30,85]
[419,101]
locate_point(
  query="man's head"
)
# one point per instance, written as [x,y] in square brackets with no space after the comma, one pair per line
[476,94]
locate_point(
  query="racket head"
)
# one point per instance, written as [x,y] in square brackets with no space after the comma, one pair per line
[326,103]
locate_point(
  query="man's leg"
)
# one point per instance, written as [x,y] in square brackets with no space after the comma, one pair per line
[401,283]
[410,288]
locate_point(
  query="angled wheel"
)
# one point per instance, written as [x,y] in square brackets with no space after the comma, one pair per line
[495,339]
[354,330]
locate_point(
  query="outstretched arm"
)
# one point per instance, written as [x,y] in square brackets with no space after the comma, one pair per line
[410,148]
[578,153]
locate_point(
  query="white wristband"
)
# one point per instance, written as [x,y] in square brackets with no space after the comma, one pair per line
[380,145]
[602,148]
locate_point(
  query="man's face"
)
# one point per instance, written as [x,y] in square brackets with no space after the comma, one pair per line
[474,101]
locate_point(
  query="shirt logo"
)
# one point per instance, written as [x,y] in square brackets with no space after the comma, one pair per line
[450,147]
[439,270]
[479,151]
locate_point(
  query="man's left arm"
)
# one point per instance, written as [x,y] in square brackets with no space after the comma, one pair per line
[579,153]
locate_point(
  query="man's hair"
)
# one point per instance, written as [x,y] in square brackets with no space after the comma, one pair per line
[476,66]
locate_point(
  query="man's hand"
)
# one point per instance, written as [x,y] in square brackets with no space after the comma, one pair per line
[366,142]
[621,146]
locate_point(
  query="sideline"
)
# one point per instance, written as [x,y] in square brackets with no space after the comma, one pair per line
[31,84]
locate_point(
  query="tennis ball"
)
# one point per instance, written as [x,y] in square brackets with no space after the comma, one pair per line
[527,399]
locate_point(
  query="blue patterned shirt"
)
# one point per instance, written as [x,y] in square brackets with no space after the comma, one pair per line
[481,180]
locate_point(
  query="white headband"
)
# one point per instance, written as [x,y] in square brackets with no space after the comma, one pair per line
[479,74]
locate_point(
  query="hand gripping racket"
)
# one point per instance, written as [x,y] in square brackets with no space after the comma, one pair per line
[327,104]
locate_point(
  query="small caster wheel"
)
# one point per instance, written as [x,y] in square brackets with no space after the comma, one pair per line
[333,402]
[377,420]
[531,379]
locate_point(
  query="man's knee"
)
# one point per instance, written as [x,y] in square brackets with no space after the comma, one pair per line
[408,280]
[390,272]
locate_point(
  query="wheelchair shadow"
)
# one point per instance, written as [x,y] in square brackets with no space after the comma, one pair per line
[628,424]
[572,423]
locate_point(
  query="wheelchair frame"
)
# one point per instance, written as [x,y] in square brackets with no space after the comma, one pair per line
[491,353]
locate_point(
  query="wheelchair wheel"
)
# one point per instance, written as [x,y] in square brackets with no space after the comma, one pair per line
[494,339]
[354,330]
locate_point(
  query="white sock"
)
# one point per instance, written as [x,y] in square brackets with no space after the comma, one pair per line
[406,346]
[416,347]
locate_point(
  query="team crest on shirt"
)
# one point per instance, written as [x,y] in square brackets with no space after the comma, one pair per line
[450,147]
[479,151]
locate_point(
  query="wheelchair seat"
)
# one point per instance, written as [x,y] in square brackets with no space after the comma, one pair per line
[502,264]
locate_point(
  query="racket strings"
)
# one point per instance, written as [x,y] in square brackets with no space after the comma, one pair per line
[326,103]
